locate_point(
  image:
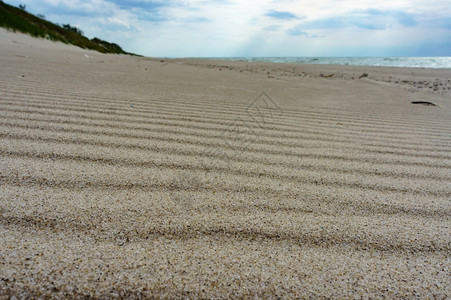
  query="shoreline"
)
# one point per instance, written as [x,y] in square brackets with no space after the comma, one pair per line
[328,60]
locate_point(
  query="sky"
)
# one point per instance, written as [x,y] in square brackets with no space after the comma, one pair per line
[266,28]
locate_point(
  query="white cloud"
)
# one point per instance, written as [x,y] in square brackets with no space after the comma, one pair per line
[119,22]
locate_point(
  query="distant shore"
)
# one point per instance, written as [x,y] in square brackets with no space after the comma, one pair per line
[400,62]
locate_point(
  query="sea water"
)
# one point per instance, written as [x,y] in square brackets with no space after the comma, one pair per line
[404,62]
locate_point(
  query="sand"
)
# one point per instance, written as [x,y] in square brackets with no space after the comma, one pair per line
[181,178]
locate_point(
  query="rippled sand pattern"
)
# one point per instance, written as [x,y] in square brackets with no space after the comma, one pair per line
[134,177]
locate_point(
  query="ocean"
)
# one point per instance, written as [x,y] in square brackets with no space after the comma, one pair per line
[404,62]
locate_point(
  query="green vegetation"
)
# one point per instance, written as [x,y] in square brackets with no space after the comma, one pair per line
[16,18]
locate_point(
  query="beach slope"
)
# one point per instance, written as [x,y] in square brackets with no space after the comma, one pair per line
[136,177]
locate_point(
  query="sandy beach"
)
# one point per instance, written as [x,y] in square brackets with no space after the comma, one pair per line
[139,177]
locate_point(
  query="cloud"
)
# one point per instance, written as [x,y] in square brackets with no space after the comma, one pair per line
[196,20]
[272,28]
[371,19]
[140,4]
[296,31]
[118,22]
[65,8]
[281,15]
[402,17]
[444,23]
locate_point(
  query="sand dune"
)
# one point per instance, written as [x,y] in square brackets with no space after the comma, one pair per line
[138,177]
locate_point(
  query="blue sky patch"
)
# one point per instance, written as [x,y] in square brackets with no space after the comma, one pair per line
[281,15]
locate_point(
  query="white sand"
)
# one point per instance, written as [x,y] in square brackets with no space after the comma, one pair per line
[132,177]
